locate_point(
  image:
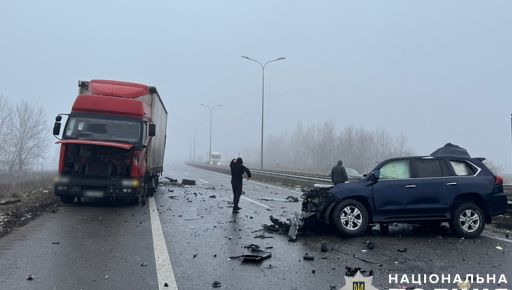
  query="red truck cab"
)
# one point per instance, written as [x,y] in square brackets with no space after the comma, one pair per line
[113,142]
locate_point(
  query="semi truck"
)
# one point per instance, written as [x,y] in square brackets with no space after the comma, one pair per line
[112,144]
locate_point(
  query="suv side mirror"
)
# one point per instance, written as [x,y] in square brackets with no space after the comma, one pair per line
[56,128]
[376,173]
[152,130]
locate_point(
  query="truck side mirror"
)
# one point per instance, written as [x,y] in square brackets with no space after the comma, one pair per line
[56,128]
[152,130]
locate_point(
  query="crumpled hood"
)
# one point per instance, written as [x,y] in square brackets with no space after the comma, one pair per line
[352,188]
[99,143]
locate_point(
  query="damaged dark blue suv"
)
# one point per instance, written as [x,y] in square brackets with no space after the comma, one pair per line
[426,189]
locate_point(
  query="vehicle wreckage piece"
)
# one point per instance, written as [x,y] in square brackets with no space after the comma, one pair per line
[287,199]
[291,227]
[257,255]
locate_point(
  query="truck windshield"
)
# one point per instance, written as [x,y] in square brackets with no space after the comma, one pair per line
[105,129]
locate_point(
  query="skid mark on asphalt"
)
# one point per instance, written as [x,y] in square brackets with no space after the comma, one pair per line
[164,270]
[255,202]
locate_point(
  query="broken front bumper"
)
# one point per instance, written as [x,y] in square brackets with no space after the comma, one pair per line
[73,186]
[317,203]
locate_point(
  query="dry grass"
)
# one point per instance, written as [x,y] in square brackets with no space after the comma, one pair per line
[16,184]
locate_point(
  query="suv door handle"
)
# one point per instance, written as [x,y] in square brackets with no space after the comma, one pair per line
[451,183]
[411,186]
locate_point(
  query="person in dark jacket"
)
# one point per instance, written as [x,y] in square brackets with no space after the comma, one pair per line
[237,171]
[338,173]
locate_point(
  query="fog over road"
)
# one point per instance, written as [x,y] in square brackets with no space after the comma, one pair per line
[113,247]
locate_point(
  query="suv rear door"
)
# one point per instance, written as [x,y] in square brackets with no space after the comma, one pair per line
[434,189]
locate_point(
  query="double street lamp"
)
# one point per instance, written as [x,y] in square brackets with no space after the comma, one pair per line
[211,108]
[262,65]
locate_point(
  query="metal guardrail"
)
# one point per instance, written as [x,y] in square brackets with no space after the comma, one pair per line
[301,179]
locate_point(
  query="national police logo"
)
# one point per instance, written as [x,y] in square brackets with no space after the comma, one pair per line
[358,282]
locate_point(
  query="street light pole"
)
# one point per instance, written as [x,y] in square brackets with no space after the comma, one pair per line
[211,108]
[263,66]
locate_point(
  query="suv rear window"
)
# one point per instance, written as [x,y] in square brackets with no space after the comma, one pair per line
[398,169]
[428,168]
[462,168]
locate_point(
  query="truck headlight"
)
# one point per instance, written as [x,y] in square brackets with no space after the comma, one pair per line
[130,183]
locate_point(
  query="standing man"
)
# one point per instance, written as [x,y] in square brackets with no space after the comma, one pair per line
[338,173]
[237,171]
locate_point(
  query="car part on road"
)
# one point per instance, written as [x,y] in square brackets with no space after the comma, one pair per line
[287,199]
[216,284]
[253,258]
[188,181]
[308,257]
[30,277]
[323,247]
[402,250]
[370,245]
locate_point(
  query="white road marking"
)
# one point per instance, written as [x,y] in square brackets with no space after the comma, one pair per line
[203,181]
[186,173]
[253,201]
[163,262]
[274,186]
[496,238]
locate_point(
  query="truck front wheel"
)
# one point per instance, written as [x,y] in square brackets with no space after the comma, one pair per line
[350,217]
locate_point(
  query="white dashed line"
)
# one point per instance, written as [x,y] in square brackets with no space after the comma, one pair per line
[203,181]
[260,204]
[164,271]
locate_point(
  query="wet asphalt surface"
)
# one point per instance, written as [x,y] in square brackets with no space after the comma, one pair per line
[100,246]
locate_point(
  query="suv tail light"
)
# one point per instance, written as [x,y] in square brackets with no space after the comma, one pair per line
[499,180]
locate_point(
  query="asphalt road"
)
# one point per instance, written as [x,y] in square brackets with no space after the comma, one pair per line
[190,232]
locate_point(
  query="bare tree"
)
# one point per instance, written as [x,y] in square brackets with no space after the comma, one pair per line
[317,147]
[27,137]
[5,122]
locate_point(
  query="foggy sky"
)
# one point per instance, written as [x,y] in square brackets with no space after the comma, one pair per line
[438,71]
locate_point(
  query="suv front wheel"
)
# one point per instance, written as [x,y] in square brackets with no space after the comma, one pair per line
[468,220]
[350,217]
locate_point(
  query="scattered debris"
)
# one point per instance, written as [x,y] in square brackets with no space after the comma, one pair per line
[351,272]
[323,247]
[195,256]
[30,277]
[194,218]
[9,200]
[403,250]
[262,236]
[56,243]
[107,276]
[212,196]
[499,248]
[507,235]
[166,284]
[370,245]
[287,199]
[188,181]
[257,255]
[143,264]
[307,257]
[216,284]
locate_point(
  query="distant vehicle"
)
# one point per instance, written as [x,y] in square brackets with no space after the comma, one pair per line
[428,189]
[216,158]
[113,142]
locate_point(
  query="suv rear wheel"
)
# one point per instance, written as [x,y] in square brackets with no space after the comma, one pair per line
[350,217]
[468,220]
